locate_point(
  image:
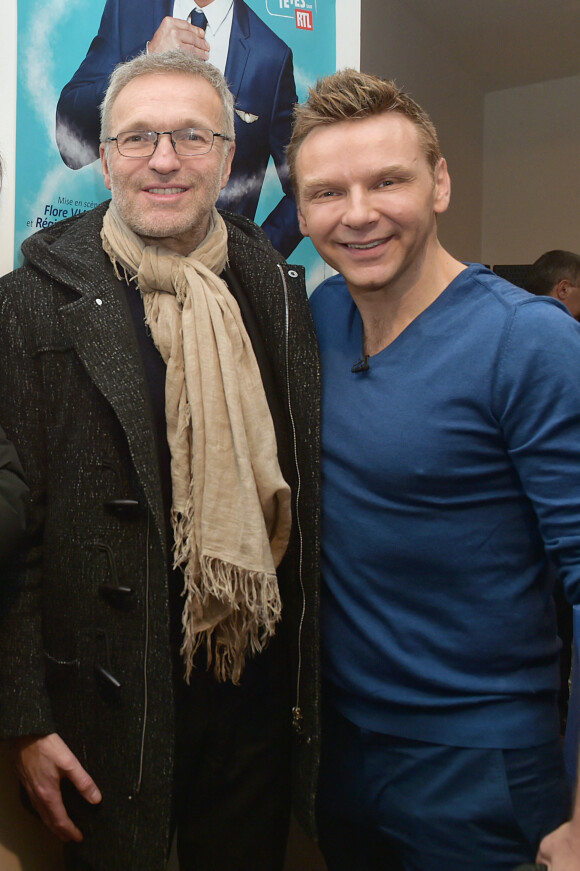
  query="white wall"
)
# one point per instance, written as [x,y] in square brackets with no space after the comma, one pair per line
[531,200]
[348,15]
[7,133]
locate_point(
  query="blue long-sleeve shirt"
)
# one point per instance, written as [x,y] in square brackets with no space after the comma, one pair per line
[450,468]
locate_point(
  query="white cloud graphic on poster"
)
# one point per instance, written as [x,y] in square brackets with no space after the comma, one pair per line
[61,193]
[38,75]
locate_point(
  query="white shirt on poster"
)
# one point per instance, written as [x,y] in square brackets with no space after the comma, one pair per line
[219,14]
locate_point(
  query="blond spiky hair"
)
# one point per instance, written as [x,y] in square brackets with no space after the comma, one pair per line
[349,95]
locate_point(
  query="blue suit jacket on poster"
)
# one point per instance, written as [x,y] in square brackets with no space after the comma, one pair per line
[259,72]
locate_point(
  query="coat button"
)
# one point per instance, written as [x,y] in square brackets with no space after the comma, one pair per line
[108,679]
[126,509]
[119,596]
[109,686]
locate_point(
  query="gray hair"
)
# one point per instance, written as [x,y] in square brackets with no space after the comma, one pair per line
[174,61]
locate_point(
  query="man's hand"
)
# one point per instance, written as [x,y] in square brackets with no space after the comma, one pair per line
[176,33]
[41,763]
[560,850]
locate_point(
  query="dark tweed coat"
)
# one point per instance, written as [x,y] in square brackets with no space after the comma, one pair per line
[74,401]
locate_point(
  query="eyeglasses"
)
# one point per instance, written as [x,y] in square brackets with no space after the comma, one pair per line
[187,142]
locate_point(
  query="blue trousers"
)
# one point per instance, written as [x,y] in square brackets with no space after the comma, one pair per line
[393,804]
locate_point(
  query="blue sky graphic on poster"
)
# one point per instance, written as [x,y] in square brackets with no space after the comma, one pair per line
[53,39]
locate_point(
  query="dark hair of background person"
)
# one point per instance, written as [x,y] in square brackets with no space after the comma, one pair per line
[551,268]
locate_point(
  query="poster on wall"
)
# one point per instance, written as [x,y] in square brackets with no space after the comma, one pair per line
[271,52]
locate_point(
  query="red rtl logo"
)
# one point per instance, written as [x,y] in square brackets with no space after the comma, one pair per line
[304,19]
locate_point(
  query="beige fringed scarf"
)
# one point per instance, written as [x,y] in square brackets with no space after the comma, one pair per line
[231,511]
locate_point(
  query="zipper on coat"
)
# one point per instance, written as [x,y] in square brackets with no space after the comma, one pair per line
[145,661]
[297,716]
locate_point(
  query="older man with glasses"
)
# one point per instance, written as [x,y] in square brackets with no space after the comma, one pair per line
[159,377]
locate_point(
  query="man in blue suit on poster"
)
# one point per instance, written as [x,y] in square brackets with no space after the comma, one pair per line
[256,63]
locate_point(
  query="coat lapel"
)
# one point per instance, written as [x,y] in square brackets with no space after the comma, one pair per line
[99,325]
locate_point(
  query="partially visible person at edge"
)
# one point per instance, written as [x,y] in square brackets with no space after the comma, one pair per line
[450,468]
[13,491]
[557,273]
[160,378]
[256,63]
[13,496]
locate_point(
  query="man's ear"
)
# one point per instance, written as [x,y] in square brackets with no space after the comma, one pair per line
[105,165]
[302,223]
[228,164]
[562,289]
[442,187]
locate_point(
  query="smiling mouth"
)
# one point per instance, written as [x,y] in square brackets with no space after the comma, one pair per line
[165,191]
[359,246]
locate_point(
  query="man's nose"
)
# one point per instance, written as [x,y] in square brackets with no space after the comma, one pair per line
[360,209]
[165,158]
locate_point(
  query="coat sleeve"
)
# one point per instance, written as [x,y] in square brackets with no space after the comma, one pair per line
[13,492]
[24,704]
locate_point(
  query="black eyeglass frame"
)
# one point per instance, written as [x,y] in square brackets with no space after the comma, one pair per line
[174,144]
